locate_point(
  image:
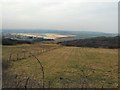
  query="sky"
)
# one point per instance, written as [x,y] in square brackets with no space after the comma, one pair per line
[77,15]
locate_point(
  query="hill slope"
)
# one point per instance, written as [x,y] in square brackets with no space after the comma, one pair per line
[63,66]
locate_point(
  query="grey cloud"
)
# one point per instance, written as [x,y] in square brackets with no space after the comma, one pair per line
[61,14]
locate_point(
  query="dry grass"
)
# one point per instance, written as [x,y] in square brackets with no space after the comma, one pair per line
[66,66]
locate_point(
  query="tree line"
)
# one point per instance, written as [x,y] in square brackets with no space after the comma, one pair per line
[96,42]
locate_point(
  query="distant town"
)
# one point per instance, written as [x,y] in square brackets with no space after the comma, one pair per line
[33,36]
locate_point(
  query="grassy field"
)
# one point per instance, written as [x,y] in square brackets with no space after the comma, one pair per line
[67,67]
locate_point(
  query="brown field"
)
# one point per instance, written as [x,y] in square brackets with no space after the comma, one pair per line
[67,67]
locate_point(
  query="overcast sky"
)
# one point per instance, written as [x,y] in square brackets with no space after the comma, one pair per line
[61,15]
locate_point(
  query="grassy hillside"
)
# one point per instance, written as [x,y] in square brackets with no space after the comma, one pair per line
[63,66]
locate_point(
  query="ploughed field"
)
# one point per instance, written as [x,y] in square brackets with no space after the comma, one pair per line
[62,66]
